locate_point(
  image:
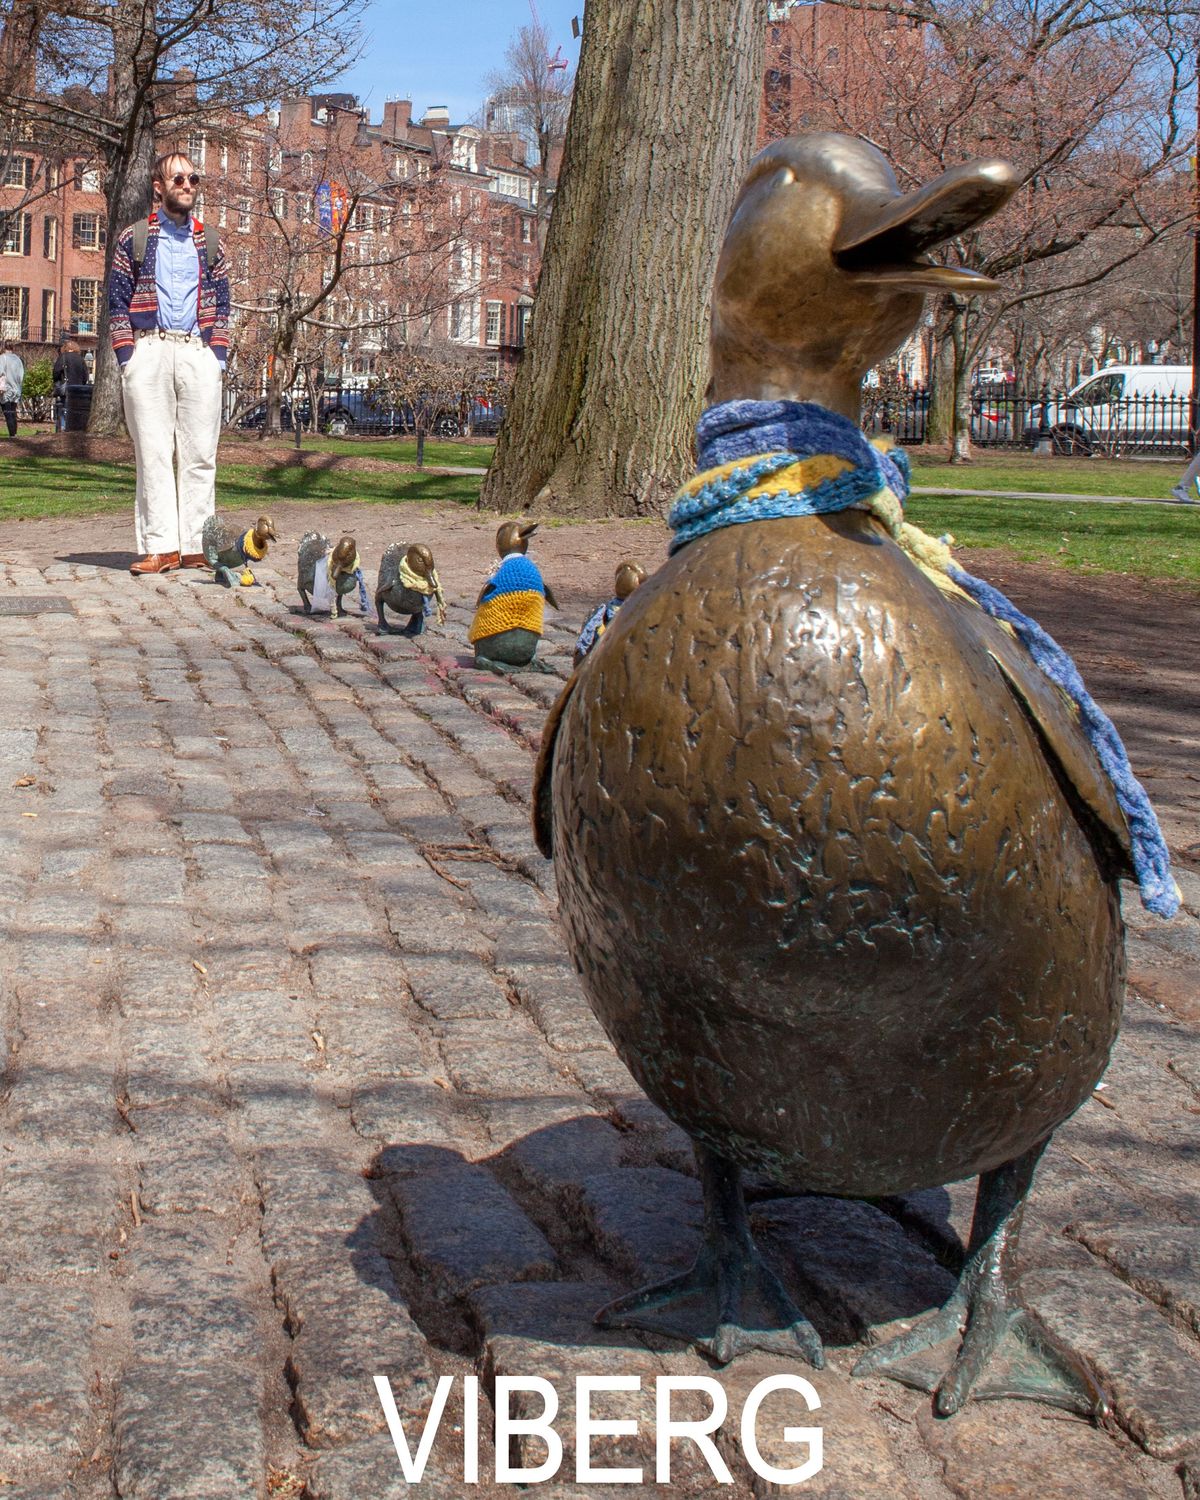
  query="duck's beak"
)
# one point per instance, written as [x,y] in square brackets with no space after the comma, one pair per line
[887,245]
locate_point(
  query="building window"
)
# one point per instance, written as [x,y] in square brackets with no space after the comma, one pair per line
[279,203]
[48,329]
[87,179]
[400,166]
[492,330]
[18,235]
[195,148]
[224,160]
[243,215]
[87,232]
[222,216]
[247,164]
[524,319]
[50,238]
[305,208]
[276,160]
[527,231]
[19,172]
[85,305]
[14,312]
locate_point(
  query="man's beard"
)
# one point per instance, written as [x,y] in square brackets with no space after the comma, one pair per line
[174,204]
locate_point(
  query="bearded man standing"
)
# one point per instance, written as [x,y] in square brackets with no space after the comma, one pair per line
[168,309]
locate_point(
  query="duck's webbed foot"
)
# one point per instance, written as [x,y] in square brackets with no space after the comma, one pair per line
[1004,1351]
[729,1289]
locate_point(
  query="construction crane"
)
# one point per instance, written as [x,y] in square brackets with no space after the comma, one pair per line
[558,62]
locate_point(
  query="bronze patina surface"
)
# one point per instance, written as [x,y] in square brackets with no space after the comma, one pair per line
[827,895]
[835,860]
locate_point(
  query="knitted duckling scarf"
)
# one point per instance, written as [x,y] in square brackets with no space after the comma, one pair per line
[759,460]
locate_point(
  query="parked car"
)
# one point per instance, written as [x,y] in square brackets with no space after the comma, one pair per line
[1120,407]
[256,417]
[991,421]
[344,412]
[486,416]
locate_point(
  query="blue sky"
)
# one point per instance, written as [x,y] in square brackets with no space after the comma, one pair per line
[438,52]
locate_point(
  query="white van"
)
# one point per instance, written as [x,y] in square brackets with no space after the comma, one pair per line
[1118,409]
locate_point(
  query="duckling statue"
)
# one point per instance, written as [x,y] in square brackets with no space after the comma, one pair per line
[328,574]
[408,583]
[509,612]
[229,551]
[629,575]
[838,830]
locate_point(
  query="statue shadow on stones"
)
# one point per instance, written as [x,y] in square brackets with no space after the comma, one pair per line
[527,1244]
[118,561]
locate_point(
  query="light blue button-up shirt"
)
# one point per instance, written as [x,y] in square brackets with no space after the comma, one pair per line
[177,276]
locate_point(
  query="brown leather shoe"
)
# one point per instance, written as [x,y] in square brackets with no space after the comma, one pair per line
[192,560]
[157,562]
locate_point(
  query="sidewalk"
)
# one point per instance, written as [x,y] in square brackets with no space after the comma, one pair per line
[922,489]
[301,1089]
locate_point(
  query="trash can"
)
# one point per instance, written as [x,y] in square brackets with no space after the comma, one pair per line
[79,407]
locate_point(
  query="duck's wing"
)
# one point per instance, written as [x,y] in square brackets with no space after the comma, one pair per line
[389,566]
[215,537]
[1055,721]
[543,810]
[313,546]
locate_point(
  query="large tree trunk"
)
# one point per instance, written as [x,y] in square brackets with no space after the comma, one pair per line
[939,417]
[127,187]
[603,407]
[960,441]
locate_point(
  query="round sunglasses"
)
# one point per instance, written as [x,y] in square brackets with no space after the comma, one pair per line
[180,178]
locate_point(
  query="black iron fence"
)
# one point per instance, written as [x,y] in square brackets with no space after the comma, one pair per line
[355,411]
[1136,424]
[1049,420]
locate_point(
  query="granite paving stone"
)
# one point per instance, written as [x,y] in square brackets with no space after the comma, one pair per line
[301,1087]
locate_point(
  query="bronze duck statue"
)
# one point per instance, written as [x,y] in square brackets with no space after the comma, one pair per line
[328,573]
[230,550]
[408,583]
[836,859]
[510,610]
[627,577]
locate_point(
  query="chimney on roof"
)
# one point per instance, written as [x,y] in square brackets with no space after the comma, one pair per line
[435,115]
[397,117]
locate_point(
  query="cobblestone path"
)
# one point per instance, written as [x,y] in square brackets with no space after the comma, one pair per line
[299,1089]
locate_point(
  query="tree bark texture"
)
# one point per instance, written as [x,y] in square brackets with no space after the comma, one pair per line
[662,127]
[960,441]
[939,416]
[127,183]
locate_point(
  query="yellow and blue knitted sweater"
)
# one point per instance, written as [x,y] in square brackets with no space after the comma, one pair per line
[514,598]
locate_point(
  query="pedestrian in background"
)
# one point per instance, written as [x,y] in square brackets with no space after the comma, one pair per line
[12,378]
[70,368]
[168,307]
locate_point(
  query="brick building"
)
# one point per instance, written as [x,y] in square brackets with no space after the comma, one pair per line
[441,245]
[52,223]
[818,55]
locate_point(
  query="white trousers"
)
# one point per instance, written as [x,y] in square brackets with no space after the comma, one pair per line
[171,390]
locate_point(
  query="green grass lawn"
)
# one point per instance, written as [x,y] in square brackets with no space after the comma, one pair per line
[1146,541]
[1075,476]
[241,449]
[45,486]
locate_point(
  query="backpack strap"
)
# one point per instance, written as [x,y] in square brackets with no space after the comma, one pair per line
[140,230]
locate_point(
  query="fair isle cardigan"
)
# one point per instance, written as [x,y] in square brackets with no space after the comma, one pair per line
[132,306]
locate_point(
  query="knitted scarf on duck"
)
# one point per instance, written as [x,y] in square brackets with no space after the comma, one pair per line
[759,460]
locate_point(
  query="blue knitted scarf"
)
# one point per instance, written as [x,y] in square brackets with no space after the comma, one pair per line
[760,460]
